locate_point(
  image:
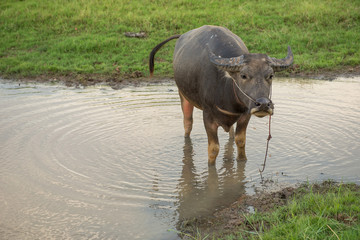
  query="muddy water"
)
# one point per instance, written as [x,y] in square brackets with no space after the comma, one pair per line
[113,164]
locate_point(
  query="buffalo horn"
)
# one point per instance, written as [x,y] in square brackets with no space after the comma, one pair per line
[228,64]
[282,64]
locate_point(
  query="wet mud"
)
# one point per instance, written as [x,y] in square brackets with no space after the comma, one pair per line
[138,78]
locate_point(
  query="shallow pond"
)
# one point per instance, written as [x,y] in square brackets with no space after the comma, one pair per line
[113,164]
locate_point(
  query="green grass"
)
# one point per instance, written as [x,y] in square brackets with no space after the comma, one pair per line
[334,214]
[87,36]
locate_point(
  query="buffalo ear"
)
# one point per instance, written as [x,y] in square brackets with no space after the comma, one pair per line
[281,64]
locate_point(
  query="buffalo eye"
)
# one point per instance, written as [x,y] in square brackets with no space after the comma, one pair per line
[243,76]
[271,76]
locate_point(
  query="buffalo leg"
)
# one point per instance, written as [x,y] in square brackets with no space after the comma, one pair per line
[211,128]
[240,135]
[187,109]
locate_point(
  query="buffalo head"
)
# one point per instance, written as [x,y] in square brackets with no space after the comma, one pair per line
[252,74]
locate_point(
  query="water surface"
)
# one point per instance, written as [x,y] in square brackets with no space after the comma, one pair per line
[101,163]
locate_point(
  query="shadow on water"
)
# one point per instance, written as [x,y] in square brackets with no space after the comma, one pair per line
[199,195]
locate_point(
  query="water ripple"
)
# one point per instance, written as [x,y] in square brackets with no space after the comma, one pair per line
[101,163]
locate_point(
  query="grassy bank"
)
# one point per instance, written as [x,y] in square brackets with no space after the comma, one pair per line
[87,36]
[313,211]
[333,214]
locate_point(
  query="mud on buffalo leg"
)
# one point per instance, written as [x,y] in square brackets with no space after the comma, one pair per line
[240,135]
[187,109]
[211,128]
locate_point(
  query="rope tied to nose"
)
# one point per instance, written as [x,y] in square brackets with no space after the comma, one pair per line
[268,139]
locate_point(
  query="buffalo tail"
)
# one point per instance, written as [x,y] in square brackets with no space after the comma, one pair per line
[155,49]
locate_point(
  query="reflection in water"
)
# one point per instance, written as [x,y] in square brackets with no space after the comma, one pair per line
[200,196]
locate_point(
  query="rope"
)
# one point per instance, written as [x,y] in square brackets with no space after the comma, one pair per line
[267,148]
[253,100]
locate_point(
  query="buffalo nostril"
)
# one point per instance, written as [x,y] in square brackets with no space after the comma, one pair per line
[263,103]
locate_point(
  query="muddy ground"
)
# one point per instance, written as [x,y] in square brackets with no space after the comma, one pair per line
[233,218]
[137,78]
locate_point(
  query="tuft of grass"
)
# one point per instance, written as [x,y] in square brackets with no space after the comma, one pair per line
[334,214]
[87,37]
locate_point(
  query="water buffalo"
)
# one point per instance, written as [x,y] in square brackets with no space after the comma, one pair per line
[215,72]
